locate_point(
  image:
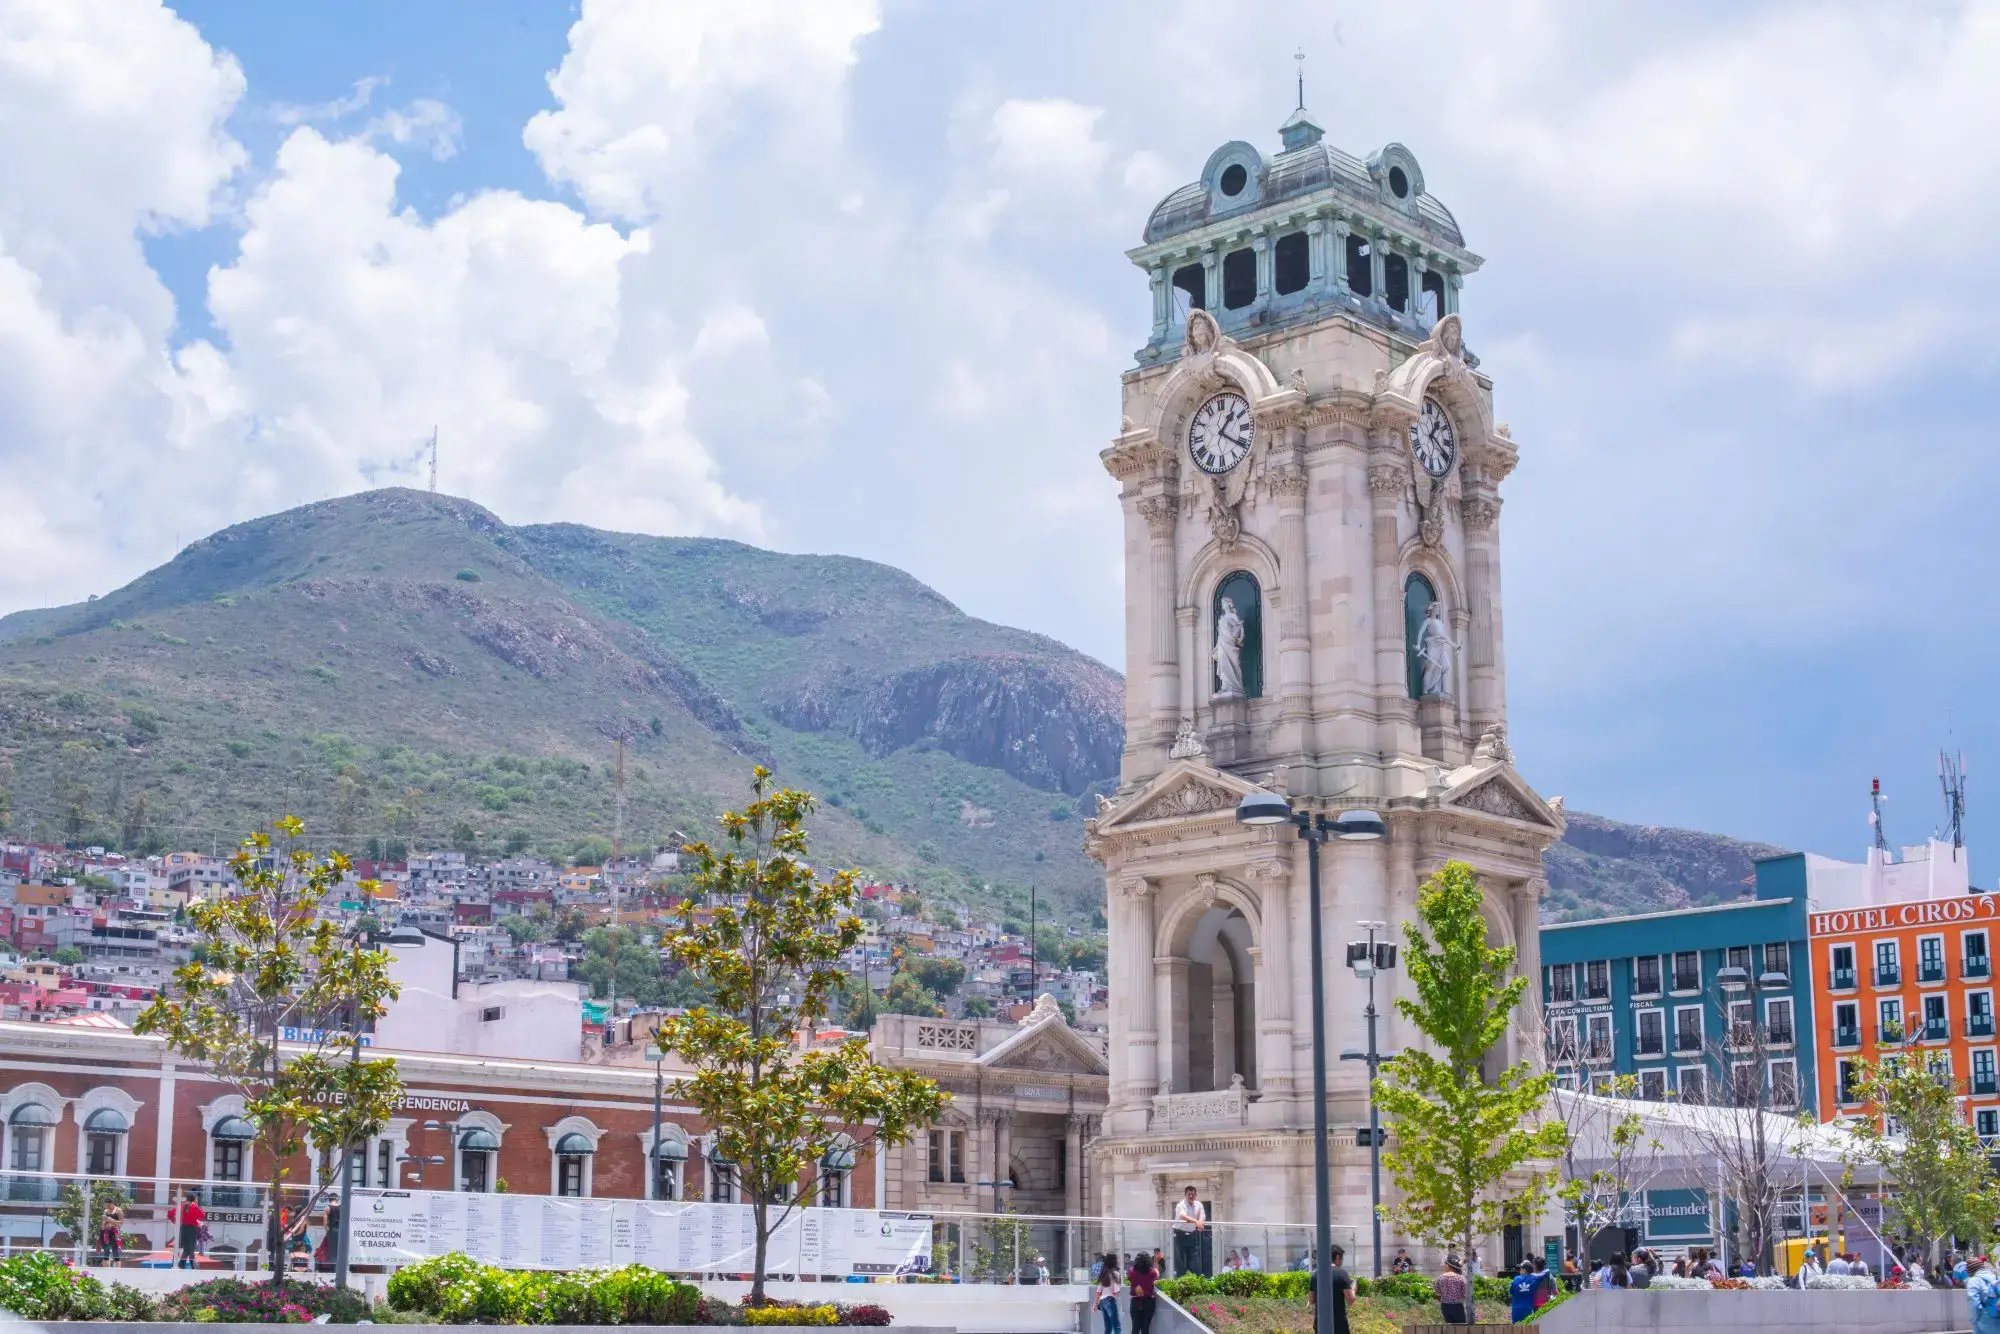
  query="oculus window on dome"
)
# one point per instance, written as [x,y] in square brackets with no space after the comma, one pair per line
[1238,617]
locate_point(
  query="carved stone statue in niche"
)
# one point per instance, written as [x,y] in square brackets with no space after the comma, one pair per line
[1436,652]
[1228,650]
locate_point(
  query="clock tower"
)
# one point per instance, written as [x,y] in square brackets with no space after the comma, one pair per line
[1310,473]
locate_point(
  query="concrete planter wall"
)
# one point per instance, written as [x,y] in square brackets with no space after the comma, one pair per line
[165,1327]
[1647,1311]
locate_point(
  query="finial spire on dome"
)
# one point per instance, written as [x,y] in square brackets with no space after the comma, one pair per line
[1301,130]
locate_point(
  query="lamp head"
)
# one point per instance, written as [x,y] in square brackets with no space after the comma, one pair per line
[1358,827]
[1263,808]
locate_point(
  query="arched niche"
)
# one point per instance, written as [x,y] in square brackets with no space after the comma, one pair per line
[1240,590]
[1419,593]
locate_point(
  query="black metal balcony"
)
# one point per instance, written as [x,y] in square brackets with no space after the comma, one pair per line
[1979,1026]
[1685,1042]
[1778,1035]
[1844,979]
[1936,1030]
[1889,976]
[1846,1037]
[1983,1086]
[1977,966]
[1931,972]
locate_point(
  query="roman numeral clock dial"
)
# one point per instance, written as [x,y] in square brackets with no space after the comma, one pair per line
[1219,436]
[1433,440]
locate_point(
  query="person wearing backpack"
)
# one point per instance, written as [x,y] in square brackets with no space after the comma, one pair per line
[1982,1294]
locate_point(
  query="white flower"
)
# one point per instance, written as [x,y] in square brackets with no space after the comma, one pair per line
[1851,1282]
[1671,1283]
[1767,1282]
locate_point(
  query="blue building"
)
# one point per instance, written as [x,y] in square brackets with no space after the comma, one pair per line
[1645,996]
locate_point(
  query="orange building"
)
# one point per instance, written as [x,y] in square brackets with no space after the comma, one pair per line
[1917,974]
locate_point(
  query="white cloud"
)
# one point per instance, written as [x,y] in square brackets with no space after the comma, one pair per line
[648,91]
[335,109]
[1051,142]
[426,123]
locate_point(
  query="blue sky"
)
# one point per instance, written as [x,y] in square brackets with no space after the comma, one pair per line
[849,276]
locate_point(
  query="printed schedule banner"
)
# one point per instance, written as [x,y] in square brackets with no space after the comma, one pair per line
[395,1227]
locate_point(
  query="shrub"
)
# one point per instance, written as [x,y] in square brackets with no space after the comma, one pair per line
[791,1315]
[1240,1283]
[421,1286]
[1411,1287]
[1292,1285]
[467,576]
[865,1314]
[1187,1286]
[256,1302]
[1485,1289]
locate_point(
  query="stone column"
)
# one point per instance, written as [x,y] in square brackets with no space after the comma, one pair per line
[1378,273]
[1211,280]
[1272,880]
[1162,513]
[1003,1145]
[1073,1167]
[1316,263]
[1388,475]
[1133,992]
[1479,512]
[1184,626]
[1451,281]
[1289,482]
[1163,306]
[1526,901]
[1417,270]
[1337,262]
[1260,245]
[1170,1004]
[1222,1036]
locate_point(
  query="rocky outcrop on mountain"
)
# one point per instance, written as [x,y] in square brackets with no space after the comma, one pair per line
[1055,725]
[1604,868]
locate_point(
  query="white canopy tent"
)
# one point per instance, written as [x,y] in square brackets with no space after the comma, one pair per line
[1706,1149]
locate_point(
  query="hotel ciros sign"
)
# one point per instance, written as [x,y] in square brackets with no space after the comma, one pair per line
[1923,912]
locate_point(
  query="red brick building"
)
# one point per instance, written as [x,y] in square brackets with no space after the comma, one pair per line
[108,1103]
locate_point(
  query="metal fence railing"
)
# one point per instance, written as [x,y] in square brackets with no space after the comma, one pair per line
[52,1211]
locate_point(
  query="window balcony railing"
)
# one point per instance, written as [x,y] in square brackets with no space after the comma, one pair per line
[1983,1086]
[1889,976]
[1645,985]
[1849,1095]
[1778,1035]
[1931,972]
[1599,1051]
[1936,1030]
[1890,1033]
[1844,979]
[1655,1045]
[1979,1026]
[1686,981]
[1684,1042]
[1978,966]
[1846,1037]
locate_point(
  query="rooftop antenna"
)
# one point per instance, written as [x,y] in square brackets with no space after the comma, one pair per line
[1875,800]
[1300,56]
[434,460]
[1951,777]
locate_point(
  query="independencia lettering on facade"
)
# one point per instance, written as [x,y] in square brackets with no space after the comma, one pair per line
[413,1102]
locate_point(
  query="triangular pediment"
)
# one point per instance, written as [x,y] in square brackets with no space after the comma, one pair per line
[1184,789]
[1495,789]
[1047,1046]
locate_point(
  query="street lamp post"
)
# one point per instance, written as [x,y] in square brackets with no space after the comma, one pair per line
[1353,826]
[659,1093]
[1367,958]
[400,937]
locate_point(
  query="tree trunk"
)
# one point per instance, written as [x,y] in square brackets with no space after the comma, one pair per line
[760,1212]
[1471,1291]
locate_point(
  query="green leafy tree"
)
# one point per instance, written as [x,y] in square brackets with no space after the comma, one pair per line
[1469,1153]
[769,955]
[906,995]
[941,977]
[1945,1185]
[978,1007]
[69,956]
[269,961]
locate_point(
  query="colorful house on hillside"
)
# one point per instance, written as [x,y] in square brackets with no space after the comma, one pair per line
[1694,1003]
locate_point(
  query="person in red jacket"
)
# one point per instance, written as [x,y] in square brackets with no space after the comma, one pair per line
[187,1214]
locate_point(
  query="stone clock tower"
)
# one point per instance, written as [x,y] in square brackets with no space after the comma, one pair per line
[1310,473]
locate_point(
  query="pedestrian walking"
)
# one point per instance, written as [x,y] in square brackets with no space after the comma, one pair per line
[1190,1221]
[1106,1297]
[1141,1287]
[187,1217]
[1982,1294]
[1453,1292]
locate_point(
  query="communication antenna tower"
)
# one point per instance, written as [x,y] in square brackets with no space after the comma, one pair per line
[434,460]
[611,877]
[1875,800]
[1951,777]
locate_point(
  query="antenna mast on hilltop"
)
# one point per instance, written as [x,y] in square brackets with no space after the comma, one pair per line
[1951,777]
[434,460]
[1875,800]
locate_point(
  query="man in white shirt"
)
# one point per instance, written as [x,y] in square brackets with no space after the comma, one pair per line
[1837,1265]
[1190,1221]
[1252,1261]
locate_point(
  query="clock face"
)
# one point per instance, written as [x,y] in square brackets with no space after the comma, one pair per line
[1220,434]
[1433,440]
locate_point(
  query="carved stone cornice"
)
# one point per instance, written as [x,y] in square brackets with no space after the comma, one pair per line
[1133,887]
[1271,870]
[1135,454]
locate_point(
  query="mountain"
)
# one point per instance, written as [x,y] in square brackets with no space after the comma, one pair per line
[407,667]
[402,668]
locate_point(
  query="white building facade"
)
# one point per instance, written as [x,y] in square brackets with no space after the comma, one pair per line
[1310,472]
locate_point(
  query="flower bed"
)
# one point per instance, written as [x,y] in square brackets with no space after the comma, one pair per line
[458,1290]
